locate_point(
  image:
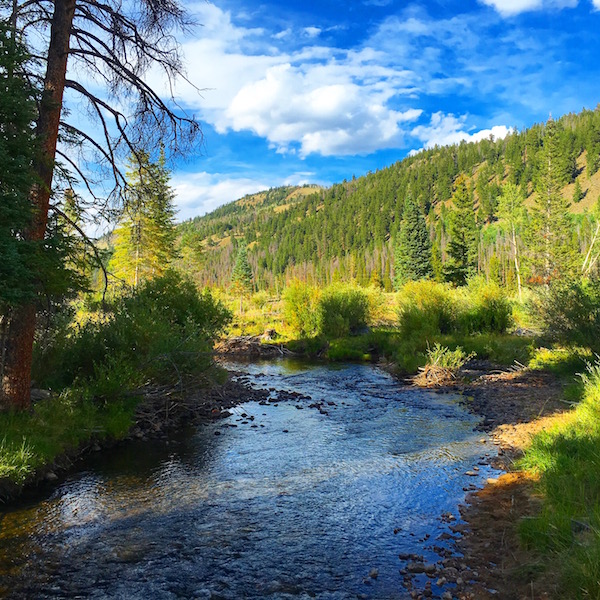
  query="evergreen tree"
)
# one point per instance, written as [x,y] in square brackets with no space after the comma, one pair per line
[241,277]
[577,192]
[462,228]
[17,114]
[413,250]
[145,237]
[552,251]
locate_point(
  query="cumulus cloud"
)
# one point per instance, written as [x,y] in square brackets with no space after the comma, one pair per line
[445,129]
[306,99]
[199,193]
[513,7]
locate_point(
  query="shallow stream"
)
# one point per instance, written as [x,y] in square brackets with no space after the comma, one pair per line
[277,501]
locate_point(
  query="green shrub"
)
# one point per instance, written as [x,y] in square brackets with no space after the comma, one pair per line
[300,308]
[428,308]
[164,327]
[570,312]
[489,310]
[444,358]
[343,309]
[431,308]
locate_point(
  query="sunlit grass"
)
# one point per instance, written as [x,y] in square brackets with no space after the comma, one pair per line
[567,460]
[57,425]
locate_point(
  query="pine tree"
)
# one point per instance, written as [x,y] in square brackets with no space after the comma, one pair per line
[241,277]
[145,237]
[17,114]
[553,253]
[462,229]
[413,250]
[577,192]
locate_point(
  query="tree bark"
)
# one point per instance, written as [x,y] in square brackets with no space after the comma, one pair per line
[16,378]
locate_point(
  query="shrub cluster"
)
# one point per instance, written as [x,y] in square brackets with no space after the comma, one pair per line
[163,328]
[570,312]
[427,308]
[337,311]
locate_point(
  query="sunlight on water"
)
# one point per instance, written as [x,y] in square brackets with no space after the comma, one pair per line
[285,503]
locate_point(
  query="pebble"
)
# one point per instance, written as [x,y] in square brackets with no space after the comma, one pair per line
[51,476]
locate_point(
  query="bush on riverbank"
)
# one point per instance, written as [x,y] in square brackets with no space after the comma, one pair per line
[336,311]
[30,440]
[161,333]
[567,460]
[570,312]
[164,329]
[428,308]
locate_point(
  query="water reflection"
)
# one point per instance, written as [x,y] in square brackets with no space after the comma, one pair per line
[285,503]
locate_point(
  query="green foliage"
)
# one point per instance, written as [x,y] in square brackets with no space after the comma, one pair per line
[552,252]
[570,312]
[145,237]
[428,308]
[17,113]
[413,249]
[567,458]
[432,309]
[163,329]
[241,277]
[300,308]
[337,311]
[490,311]
[343,309]
[444,358]
[56,425]
[462,248]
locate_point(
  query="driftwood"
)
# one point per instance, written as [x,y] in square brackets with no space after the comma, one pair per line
[251,345]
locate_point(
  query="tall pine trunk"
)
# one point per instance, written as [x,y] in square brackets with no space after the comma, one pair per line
[16,378]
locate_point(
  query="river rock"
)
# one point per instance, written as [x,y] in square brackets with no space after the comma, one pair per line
[51,476]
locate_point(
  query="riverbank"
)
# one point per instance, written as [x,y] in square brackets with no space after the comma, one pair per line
[150,412]
[515,405]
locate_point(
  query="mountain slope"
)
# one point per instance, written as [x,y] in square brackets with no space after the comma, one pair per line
[349,229]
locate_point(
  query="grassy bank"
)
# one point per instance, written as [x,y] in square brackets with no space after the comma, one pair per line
[566,532]
[57,426]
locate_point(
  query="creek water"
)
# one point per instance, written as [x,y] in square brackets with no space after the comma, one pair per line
[277,501]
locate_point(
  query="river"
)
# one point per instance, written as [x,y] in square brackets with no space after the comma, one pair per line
[277,501]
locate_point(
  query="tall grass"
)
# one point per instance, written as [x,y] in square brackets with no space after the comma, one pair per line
[567,460]
[30,440]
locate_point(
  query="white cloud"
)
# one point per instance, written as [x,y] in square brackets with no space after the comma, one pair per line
[310,99]
[199,193]
[596,4]
[513,7]
[311,31]
[445,129]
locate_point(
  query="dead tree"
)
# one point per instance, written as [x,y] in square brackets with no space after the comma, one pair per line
[112,43]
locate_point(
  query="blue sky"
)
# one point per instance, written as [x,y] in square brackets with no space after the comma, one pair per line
[297,92]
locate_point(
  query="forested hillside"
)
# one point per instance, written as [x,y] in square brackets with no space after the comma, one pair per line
[350,230]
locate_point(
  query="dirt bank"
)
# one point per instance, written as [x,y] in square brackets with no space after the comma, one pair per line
[514,405]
